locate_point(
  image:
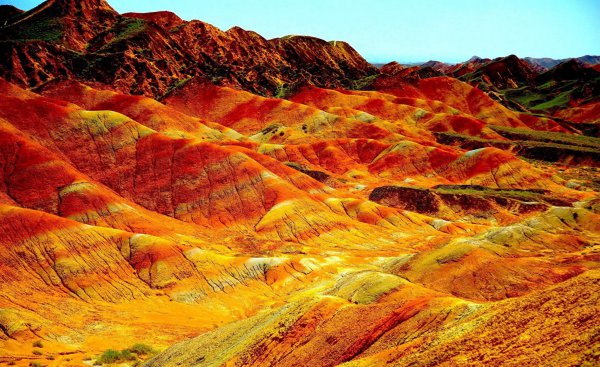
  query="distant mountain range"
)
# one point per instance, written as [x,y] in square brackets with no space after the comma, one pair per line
[544,63]
[527,85]
[540,63]
[549,63]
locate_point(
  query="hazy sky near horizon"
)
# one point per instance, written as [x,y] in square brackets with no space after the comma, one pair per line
[403,30]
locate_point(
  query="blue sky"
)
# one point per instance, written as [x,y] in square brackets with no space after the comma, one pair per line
[406,31]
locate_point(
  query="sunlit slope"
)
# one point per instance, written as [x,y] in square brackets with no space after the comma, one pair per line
[466,99]
[327,244]
[397,319]
[289,134]
[187,179]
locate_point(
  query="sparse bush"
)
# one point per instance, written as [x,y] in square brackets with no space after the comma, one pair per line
[126,355]
[37,353]
[109,356]
[38,344]
[114,356]
[141,349]
[49,30]
[35,364]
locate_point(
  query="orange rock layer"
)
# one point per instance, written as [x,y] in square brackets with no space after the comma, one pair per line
[335,227]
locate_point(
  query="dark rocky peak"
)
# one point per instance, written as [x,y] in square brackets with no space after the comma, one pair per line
[477,59]
[512,67]
[7,12]
[571,69]
[511,58]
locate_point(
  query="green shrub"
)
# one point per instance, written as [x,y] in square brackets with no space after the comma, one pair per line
[109,356]
[37,353]
[114,356]
[35,364]
[126,355]
[124,29]
[130,354]
[363,82]
[45,29]
[141,349]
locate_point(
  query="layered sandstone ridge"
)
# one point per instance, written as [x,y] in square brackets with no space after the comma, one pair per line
[153,53]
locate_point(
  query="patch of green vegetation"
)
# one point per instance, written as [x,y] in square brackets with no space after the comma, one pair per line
[35,364]
[36,353]
[113,356]
[525,97]
[130,26]
[548,84]
[142,349]
[363,82]
[559,101]
[547,137]
[473,190]
[126,28]
[130,354]
[563,147]
[49,30]
[282,91]
[548,96]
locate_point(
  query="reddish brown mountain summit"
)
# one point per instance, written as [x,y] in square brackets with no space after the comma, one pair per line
[91,42]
